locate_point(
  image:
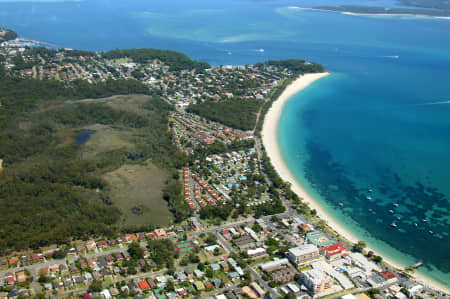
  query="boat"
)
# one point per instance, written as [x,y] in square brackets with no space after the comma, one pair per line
[370,190]
[431,232]
[398,218]
[390,211]
[416,225]
[393,224]
[260,50]
[424,220]
[395,204]
[369,198]
[341,204]
[370,210]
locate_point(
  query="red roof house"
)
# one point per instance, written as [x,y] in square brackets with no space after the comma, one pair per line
[143,284]
[14,261]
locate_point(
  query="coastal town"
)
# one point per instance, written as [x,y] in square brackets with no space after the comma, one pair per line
[248,235]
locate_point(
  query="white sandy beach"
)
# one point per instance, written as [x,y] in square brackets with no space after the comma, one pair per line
[270,141]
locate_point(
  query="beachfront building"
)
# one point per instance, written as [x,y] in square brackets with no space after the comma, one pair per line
[363,263]
[334,251]
[303,255]
[316,281]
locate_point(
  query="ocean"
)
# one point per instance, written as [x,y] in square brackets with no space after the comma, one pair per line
[381,121]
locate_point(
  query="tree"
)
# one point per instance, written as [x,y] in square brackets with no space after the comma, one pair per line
[359,247]
[211,238]
[59,254]
[135,251]
[96,286]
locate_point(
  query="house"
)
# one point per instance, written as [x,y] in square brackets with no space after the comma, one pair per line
[233,275]
[106,294]
[303,255]
[21,276]
[90,245]
[114,291]
[283,275]
[244,242]
[13,261]
[224,266]
[215,267]
[198,273]
[189,273]
[77,279]
[130,238]
[259,291]
[102,244]
[217,282]
[255,253]
[118,256]
[68,283]
[414,290]
[143,285]
[88,276]
[43,271]
[151,283]
[63,268]
[305,227]
[389,276]
[249,292]
[199,286]
[10,278]
[376,280]
[160,233]
[37,257]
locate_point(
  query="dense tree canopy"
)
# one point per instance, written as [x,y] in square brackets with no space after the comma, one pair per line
[236,113]
[175,60]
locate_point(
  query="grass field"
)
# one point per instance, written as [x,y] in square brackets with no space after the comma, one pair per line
[122,60]
[137,191]
[106,138]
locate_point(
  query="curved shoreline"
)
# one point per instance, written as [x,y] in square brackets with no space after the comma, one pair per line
[270,141]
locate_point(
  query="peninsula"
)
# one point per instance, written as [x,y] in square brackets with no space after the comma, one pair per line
[142,174]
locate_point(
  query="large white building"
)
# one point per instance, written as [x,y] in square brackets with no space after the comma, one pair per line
[362,262]
[303,255]
[316,280]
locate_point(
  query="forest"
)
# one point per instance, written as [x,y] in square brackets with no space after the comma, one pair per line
[297,66]
[175,60]
[236,113]
[47,191]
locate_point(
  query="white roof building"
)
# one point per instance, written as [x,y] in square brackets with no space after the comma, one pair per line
[362,262]
[273,264]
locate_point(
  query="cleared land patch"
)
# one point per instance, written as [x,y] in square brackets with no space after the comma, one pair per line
[106,138]
[137,191]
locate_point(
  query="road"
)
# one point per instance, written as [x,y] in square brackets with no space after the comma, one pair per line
[35,267]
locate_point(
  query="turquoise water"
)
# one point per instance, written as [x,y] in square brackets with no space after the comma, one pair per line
[371,124]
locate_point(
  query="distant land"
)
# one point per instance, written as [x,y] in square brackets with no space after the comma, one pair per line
[7,34]
[434,8]
[362,9]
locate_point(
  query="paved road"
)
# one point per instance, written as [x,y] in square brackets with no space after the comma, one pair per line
[36,267]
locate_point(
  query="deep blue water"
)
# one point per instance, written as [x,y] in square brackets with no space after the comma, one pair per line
[83,136]
[370,124]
